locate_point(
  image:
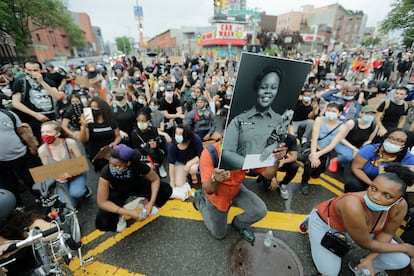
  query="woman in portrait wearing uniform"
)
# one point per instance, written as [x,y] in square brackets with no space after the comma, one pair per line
[259,130]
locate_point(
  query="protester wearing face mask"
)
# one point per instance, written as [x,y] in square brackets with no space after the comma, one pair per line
[392,113]
[57,147]
[369,218]
[123,177]
[171,109]
[305,111]
[102,131]
[359,132]
[157,119]
[350,97]
[71,118]
[366,164]
[202,120]
[183,159]
[148,142]
[125,113]
[323,133]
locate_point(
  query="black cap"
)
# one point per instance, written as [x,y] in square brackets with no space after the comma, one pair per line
[169,87]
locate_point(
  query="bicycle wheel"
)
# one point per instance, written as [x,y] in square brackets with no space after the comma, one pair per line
[71,223]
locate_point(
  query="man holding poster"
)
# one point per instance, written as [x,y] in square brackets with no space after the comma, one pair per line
[256,131]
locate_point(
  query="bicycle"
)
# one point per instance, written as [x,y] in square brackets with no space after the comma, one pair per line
[53,255]
[54,197]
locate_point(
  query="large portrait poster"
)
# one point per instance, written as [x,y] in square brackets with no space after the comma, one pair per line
[265,94]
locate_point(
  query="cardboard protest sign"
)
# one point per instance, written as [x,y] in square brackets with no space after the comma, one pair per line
[74,166]
[82,81]
[265,94]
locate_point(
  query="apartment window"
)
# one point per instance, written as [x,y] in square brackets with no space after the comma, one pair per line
[348,28]
[38,37]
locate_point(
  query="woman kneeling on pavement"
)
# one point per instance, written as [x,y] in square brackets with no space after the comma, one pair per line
[123,177]
[370,218]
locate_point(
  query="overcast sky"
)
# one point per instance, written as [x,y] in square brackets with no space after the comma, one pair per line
[116,18]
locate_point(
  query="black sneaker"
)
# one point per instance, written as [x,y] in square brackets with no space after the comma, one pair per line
[304,188]
[196,199]
[88,192]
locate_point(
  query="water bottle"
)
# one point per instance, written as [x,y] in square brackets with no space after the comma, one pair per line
[363,271]
[143,213]
[268,239]
[121,224]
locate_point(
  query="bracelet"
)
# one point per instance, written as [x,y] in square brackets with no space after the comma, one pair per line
[213,179]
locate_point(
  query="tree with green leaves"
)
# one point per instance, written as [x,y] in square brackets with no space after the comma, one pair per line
[20,18]
[123,44]
[401,16]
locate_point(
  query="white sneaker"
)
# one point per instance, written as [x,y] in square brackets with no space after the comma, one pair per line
[284,193]
[179,192]
[188,189]
[163,172]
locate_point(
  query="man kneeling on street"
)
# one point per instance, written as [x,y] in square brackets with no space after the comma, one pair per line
[221,189]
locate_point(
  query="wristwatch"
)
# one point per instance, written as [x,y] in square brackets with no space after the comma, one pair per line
[213,179]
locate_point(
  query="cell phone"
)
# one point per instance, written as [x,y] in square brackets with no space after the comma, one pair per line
[87,111]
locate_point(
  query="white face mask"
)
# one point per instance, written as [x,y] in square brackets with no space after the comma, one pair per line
[390,147]
[169,94]
[368,118]
[331,115]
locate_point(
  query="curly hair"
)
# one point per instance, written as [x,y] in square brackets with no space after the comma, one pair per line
[14,227]
[400,174]
[106,110]
[267,70]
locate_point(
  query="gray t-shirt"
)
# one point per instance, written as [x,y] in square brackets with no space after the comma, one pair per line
[156,119]
[11,147]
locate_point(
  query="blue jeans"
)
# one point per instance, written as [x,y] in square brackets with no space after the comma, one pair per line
[328,263]
[216,221]
[76,188]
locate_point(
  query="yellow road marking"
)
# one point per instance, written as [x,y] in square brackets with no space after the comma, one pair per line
[184,210]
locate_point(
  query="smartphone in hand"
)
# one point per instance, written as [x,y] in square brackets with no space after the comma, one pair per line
[87,111]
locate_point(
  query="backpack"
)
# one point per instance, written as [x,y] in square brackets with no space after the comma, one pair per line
[197,116]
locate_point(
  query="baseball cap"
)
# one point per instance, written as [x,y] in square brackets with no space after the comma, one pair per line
[368,109]
[202,98]
[122,152]
[119,91]
[169,87]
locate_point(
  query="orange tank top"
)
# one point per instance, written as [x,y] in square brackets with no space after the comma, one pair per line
[335,220]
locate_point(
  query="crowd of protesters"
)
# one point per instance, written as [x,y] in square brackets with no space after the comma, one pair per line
[354,114]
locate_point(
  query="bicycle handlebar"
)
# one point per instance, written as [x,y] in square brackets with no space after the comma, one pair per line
[31,239]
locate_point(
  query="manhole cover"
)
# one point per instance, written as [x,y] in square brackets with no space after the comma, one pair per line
[278,259]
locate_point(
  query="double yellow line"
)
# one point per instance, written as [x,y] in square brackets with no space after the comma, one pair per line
[184,210]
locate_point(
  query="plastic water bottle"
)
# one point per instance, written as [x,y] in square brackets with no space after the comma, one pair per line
[268,239]
[121,224]
[363,271]
[143,213]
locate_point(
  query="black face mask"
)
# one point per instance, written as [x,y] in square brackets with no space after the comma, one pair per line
[119,98]
[96,113]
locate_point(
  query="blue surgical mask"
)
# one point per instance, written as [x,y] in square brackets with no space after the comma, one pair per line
[121,174]
[390,147]
[368,118]
[348,98]
[229,94]
[376,207]
[331,115]
[153,108]
[179,139]
[307,99]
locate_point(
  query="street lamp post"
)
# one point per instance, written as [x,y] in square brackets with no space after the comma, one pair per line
[315,33]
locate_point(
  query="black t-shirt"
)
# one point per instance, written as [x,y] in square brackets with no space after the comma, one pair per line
[171,108]
[301,112]
[36,98]
[392,114]
[291,143]
[100,135]
[74,119]
[55,77]
[357,136]
[125,117]
[128,186]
